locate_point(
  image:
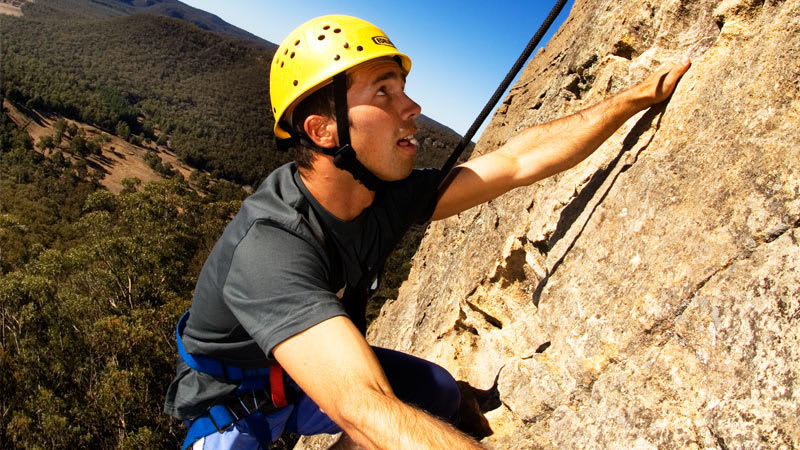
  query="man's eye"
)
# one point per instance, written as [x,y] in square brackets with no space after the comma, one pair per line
[382,91]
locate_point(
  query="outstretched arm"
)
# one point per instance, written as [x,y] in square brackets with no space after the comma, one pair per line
[544,150]
[335,366]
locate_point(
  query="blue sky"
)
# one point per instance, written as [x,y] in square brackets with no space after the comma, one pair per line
[460,50]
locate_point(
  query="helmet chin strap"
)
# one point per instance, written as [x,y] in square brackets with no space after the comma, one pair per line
[344,157]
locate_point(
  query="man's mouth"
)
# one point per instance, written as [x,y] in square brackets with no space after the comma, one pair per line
[409,140]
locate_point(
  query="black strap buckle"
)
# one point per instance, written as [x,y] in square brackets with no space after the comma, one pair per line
[240,407]
[252,408]
[248,403]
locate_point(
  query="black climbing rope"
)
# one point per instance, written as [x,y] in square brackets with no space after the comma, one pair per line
[451,161]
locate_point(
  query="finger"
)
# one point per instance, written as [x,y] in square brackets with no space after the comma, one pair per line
[669,78]
[681,67]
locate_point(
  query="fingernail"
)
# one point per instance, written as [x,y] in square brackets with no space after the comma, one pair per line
[686,59]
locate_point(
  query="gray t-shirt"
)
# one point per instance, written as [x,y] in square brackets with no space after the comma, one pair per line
[277,269]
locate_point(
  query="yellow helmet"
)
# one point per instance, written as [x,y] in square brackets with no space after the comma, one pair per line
[316,51]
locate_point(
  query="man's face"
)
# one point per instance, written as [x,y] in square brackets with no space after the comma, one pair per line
[382,119]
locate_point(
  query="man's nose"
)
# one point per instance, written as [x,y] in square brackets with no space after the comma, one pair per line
[410,109]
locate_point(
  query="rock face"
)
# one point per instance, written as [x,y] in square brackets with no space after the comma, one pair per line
[649,297]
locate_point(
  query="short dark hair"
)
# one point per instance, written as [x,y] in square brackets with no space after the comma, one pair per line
[319,102]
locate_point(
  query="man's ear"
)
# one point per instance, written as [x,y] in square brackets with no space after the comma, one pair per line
[321,130]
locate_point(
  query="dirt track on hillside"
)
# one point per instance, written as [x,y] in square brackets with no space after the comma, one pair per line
[119,159]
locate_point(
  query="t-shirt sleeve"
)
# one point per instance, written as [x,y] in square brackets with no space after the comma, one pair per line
[278,286]
[415,198]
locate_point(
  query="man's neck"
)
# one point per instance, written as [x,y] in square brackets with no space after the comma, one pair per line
[335,189]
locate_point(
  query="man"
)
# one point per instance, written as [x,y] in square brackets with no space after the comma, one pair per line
[283,289]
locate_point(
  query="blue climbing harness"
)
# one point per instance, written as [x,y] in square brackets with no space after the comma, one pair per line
[261,392]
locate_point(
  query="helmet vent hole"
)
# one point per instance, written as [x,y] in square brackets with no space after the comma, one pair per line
[292,55]
[321,37]
[359,48]
[281,63]
[286,51]
[297,42]
[337,30]
[336,57]
[346,45]
[326,27]
[294,83]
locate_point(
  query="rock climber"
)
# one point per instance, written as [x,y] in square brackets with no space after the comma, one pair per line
[274,342]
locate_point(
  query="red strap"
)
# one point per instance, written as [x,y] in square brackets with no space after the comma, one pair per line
[276,386]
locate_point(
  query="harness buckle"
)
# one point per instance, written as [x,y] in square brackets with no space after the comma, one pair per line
[225,428]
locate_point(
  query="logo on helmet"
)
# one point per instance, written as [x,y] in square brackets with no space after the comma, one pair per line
[382,40]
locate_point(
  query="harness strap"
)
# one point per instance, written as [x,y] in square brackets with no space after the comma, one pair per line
[253,408]
[277,391]
[255,401]
[217,419]
[213,367]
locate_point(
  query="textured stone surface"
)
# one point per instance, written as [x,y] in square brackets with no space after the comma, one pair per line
[650,296]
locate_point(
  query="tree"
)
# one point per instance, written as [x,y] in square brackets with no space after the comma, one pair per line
[78,146]
[87,347]
[72,129]
[123,130]
[162,140]
[130,185]
[46,143]
[93,146]
[60,126]
[199,179]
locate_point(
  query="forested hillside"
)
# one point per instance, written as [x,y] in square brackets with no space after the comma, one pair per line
[104,9]
[92,283]
[154,75]
[91,286]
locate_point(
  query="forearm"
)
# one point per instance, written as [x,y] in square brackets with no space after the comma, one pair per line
[534,154]
[384,422]
[544,150]
[334,365]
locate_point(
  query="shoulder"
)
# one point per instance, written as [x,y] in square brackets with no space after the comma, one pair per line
[414,196]
[277,198]
[280,204]
[272,221]
[424,178]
